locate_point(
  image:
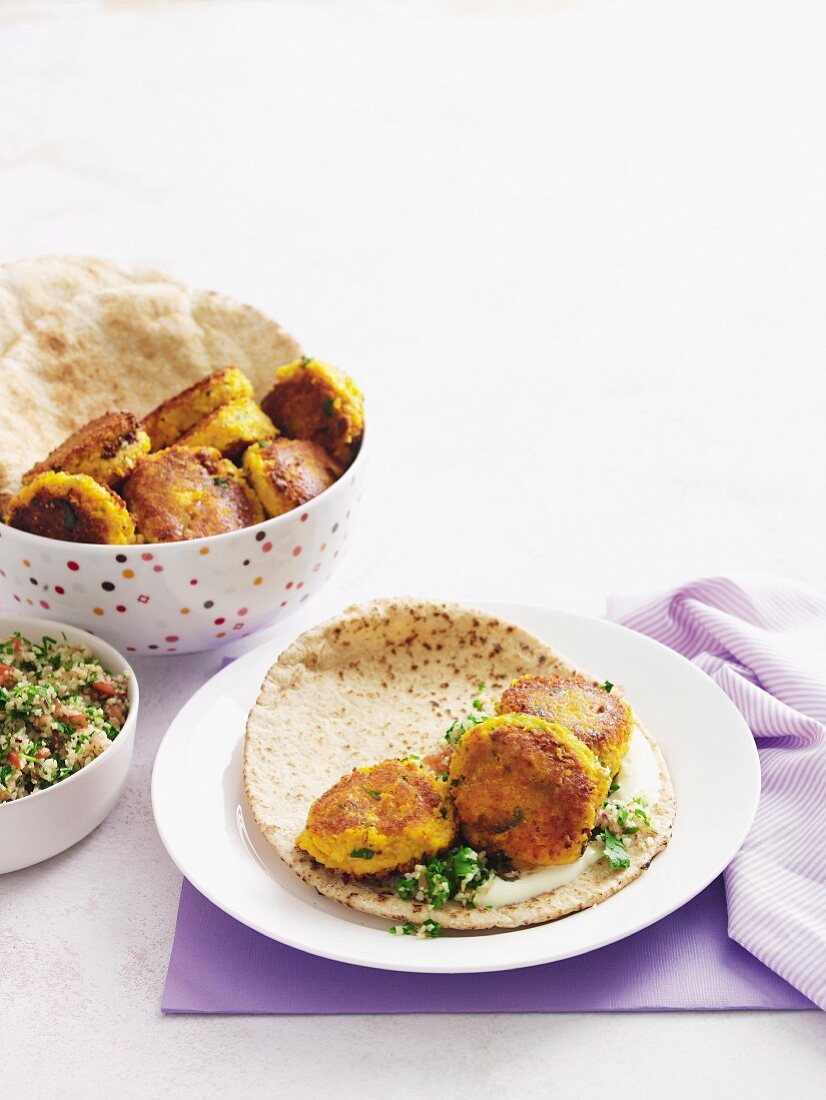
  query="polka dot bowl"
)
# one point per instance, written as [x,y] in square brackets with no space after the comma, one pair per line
[183,597]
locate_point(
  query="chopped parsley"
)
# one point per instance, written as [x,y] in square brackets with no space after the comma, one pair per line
[606,685]
[477,716]
[616,821]
[455,877]
[427,930]
[373,794]
[221,482]
[614,849]
[362,853]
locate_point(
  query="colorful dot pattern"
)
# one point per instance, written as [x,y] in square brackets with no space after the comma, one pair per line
[223,599]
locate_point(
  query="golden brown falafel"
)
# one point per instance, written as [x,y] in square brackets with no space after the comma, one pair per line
[231,428]
[380,819]
[526,791]
[286,473]
[187,493]
[311,400]
[169,421]
[107,448]
[71,507]
[601,719]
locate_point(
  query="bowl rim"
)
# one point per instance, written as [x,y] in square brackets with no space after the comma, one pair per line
[267,524]
[126,734]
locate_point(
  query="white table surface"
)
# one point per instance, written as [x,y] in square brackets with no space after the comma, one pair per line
[574,252]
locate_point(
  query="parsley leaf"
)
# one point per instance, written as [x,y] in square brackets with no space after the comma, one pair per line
[615,851]
[362,853]
[436,881]
[516,817]
[428,930]
[606,685]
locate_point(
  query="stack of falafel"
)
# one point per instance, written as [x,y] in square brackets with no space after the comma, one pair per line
[207,461]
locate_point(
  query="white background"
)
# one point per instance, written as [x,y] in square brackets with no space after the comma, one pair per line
[574,253]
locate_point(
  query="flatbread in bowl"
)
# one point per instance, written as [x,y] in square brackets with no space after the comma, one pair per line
[129,503]
[384,681]
[80,336]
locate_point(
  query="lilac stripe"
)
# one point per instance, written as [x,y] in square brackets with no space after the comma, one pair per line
[763,642]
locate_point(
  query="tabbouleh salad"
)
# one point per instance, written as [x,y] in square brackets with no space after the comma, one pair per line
[59,709]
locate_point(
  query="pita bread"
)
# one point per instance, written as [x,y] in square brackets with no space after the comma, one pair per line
[30,288]
[82,337]
[385,680]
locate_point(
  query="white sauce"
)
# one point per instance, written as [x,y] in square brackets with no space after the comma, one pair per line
[639,774]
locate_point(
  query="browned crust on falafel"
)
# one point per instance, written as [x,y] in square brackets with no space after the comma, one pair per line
[308,404]
[526,791]
[599,718]
[71,508]
[287,473]
[94,449]
[171,419]
[188,493]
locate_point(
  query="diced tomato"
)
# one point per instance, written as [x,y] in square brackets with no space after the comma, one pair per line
[438,761]
[6,674]
[43,754]
[105,689]
[13,759]
[76,721]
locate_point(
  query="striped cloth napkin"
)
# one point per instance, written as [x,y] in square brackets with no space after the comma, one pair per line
[764,642]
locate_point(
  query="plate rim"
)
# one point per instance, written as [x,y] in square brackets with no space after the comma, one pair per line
[510,610]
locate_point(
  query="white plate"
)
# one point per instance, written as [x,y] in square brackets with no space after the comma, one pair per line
[204,822]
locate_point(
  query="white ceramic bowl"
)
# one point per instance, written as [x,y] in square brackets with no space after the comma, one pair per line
[46,822]
[181,597]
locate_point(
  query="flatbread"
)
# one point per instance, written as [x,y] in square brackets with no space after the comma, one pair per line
[80,337]
[385,680]
[30,288]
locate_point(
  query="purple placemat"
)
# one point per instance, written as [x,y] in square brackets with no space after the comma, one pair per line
[685,961]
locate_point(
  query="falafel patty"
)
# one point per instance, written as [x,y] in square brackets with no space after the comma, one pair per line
[311,400]
[526,791]
[186,493]
[286,473]
[231,428]
[380,819]
[602,720]
[107,448]
[168,422]
[71,507]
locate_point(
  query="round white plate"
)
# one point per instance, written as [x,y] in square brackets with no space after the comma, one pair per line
[207,828]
